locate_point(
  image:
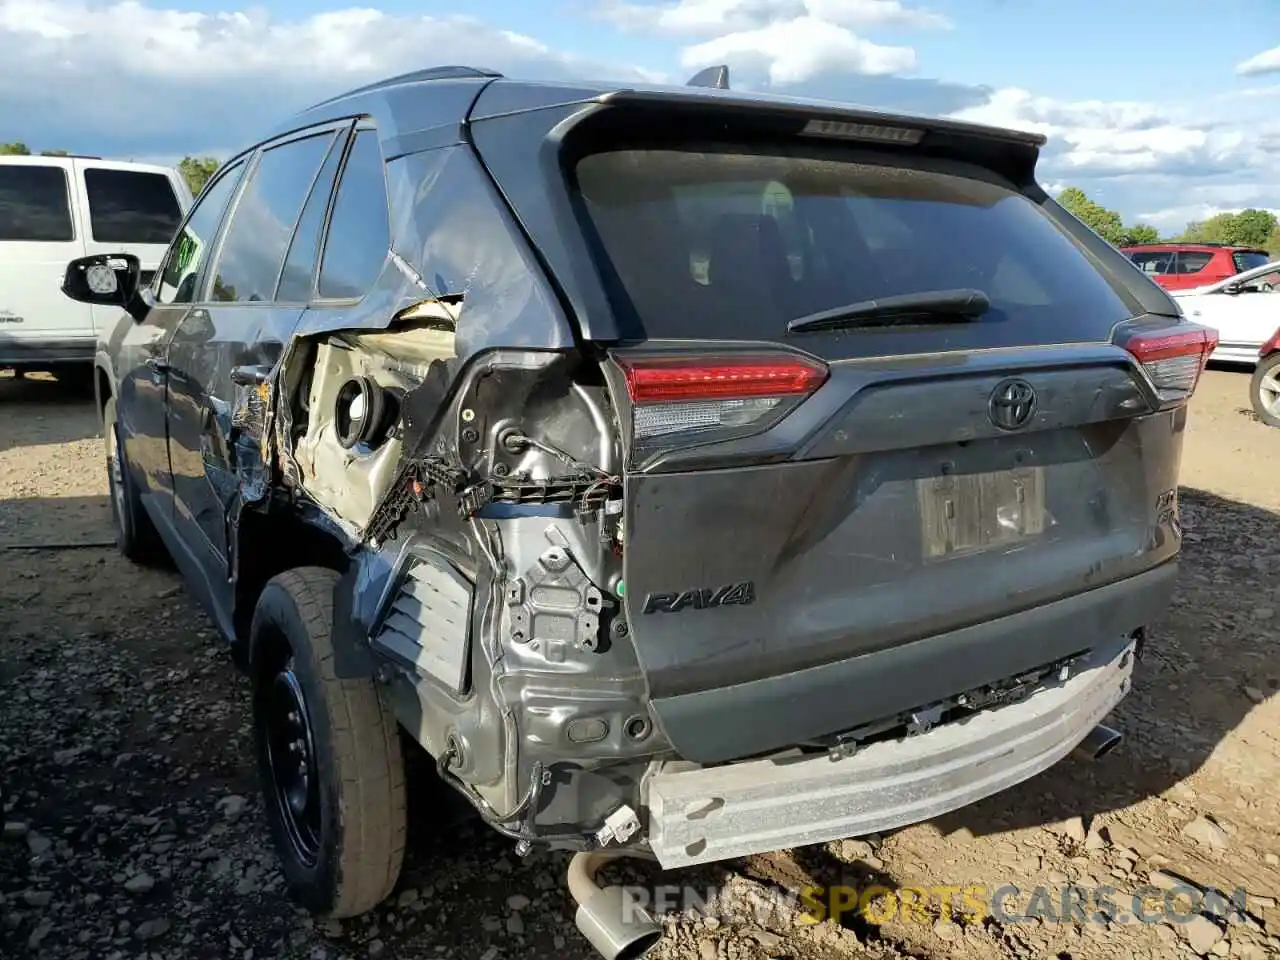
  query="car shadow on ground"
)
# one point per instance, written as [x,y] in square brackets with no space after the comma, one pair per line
[39,409]
[1188,696]
[61,523]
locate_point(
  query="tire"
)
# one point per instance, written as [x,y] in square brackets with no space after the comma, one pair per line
[1264,389]
[136,536]
[339,830]
[77,379]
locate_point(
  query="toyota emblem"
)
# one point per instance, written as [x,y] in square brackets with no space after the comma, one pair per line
[1012,404]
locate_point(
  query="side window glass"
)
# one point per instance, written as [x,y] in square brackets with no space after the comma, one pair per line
[360,228]
[263,220]
[190,250]
[131,206]
[33,204]
[1193,262]
[297,278]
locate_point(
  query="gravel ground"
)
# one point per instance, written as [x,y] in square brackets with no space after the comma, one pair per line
[132,824]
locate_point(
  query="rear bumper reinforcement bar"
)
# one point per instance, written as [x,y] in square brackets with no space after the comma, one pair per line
[738,809]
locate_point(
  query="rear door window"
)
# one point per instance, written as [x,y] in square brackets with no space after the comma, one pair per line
[264,218]
[34,204]
[297,279]
[360,227]
[733,242]
[1154,262]
[1192,261]
[131,206]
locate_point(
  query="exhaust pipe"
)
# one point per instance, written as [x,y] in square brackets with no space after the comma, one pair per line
[1100,741]
[618,929]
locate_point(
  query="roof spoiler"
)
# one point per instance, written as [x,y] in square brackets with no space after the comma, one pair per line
[715,77]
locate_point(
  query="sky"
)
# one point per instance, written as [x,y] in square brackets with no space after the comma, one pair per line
[1167,113]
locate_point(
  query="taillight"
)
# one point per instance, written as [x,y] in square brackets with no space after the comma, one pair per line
[687,398]
[1173,357]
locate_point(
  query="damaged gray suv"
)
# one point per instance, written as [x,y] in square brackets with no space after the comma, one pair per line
[689,473]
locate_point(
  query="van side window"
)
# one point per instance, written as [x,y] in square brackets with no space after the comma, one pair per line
[131,206]
[262,222]
[297,279]
[190,250]
[360,229]
[34,204]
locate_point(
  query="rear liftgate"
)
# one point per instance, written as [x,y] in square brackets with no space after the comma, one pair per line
[837,551]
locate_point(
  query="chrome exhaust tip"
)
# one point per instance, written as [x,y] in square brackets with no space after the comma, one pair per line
[616,927]
[1100,741]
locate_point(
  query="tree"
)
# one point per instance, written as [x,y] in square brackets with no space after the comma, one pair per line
[197,171]
[15,149]
[1273,244]
[1105,223]
[1140,233]
[1252,228]
[1246,228]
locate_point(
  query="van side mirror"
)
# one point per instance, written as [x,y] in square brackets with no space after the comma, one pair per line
[1231,289]
[105,279]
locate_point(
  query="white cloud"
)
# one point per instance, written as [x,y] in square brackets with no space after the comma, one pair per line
[158,78]
[787,41]
[1157,164]
[1118,138]
[722,17]
[796,50]
[1266,62]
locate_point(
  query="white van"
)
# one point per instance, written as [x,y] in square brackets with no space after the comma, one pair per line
[55,209]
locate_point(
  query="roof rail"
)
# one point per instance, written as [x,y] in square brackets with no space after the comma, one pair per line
[452,72]
[716,77]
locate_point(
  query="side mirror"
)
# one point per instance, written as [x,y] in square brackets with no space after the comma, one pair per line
[105,279]
[1231,289]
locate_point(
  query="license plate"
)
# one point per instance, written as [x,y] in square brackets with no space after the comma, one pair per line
[980,511]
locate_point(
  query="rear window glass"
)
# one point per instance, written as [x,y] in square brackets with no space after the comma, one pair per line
[129,206]
[732,242]
[33,204]
[1247,260]
[1153,262]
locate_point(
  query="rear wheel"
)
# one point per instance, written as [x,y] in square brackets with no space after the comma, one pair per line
[328,754]
[1264,390]
[136,535]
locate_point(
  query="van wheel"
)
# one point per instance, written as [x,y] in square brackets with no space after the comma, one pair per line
[136,536]
[1264,389]
[328,754]
[77,378]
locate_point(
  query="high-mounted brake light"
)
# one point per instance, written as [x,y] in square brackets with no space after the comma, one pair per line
[1174,357]
[847,130]
[702,398]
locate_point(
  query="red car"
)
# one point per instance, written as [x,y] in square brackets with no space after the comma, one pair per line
[1178,266]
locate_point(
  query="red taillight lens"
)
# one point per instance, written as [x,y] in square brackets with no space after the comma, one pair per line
[1174,357]
[668,378]
[708,398]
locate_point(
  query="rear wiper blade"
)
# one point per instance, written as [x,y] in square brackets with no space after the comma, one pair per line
[959,305]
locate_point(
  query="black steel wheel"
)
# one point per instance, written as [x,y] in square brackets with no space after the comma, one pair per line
[337,812]
[295,782]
